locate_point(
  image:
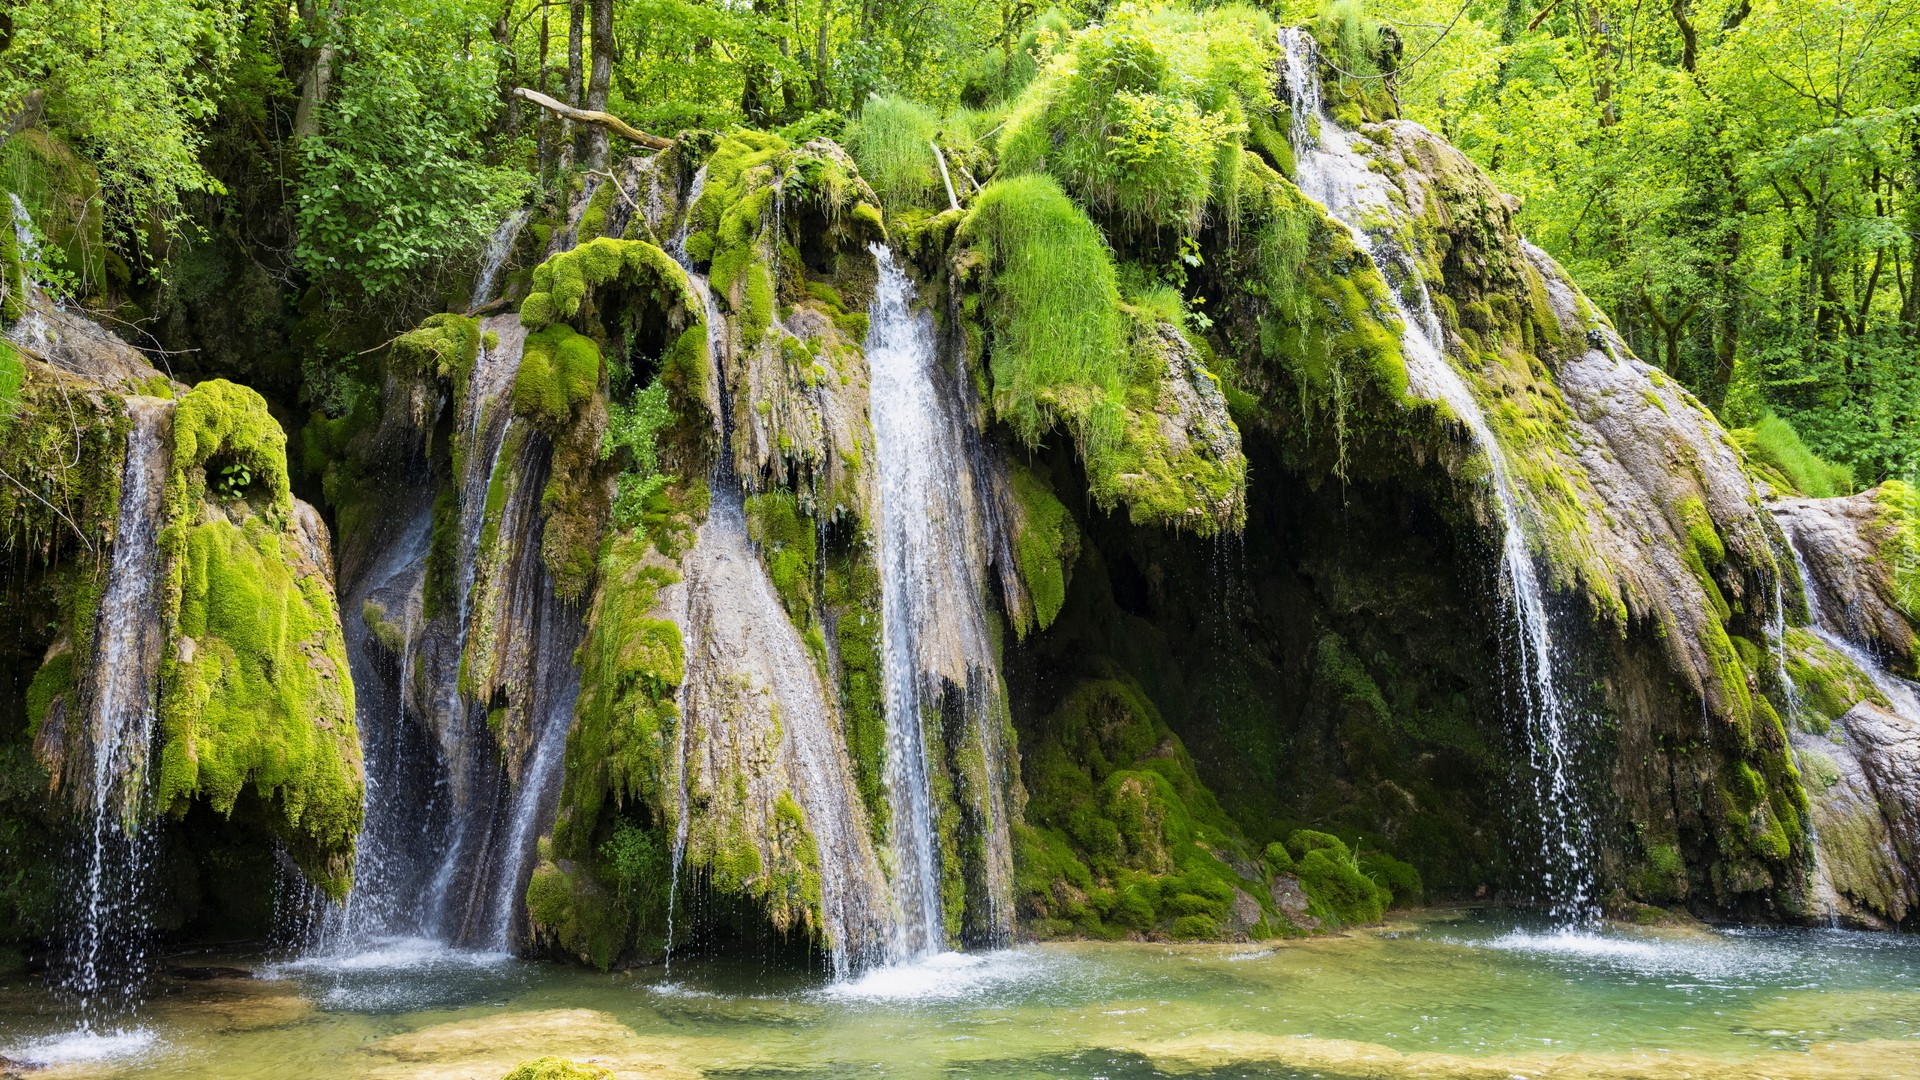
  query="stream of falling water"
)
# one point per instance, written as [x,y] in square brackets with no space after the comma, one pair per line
[1330,172]
[108,960]
[499,246]
[920,553]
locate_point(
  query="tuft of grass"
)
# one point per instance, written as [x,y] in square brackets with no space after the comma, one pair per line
[892,141]
[1774,443]
[1058,350]
[1142,118]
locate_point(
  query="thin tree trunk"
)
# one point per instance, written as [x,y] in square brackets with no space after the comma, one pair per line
[319,77]
[596,155]
[574,144]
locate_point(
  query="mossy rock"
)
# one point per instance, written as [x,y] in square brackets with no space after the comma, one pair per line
[557,1068]
[61,192]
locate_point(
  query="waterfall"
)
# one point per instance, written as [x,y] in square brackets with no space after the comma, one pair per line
[449,837]
[499,246]
[932,583]
[399,827]
[129,640]
[1331,173]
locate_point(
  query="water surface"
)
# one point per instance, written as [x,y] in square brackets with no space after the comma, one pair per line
[1450,993]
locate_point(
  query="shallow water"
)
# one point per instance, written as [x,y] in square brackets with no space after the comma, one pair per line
[1484,988]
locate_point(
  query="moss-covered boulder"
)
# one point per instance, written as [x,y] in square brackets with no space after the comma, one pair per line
[256,698]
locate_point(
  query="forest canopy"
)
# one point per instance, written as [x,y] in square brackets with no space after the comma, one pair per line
[1733,181]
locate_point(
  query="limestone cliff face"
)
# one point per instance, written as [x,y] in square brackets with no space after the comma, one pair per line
[1855,718]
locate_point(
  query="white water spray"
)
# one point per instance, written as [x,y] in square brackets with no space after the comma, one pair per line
[129,641]
[1332,173]
[499,246]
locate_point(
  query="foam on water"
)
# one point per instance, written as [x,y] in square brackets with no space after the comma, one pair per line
[408,954]
[1703,959]
[944,976]
[80,1047]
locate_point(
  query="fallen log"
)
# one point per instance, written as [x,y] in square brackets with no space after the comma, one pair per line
[609,121]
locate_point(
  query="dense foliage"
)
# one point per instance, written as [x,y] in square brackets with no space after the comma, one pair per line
[1732,180]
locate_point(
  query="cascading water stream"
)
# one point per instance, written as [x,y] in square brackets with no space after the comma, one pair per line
[1330,172]
[108,962]
[932,550]
[499,246]
[919,551]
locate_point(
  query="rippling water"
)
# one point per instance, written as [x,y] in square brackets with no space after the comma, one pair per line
[1454,993]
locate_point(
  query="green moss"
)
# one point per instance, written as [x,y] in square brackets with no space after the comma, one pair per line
[618,758]
[1120,834]
[255,690]
[1064,354]
[52,684]
[1898,547]
[440,582]
[443,347]
[557,1068]
[1046,541]
[562,283]
[852,594]
[1331,877]
[1310,304]
[63,445]
[1825,683]
[787,543]
[593,220]
[559,371]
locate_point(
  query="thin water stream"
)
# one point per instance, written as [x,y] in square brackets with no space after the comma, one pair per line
[1331,173]
[108,960]
[1447,994]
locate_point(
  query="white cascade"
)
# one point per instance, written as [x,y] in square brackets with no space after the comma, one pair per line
[121,726]
[499,246]
[931,586]
[1330,172]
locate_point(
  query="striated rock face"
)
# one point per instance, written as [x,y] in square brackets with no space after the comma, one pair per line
[767,800]
[1856,722]
[1852,550]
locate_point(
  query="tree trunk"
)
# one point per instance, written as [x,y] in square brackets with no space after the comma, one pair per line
[314,84]
[574,146]
[596,155]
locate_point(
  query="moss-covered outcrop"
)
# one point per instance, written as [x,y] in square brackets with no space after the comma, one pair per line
[255,693]
[255,748]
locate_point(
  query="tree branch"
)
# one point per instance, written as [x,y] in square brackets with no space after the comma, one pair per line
[609,121]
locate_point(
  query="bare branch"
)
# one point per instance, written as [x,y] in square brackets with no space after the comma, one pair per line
[612,123]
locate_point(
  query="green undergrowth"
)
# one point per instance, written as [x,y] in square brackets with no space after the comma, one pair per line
[255,690]
[1356,51]
[62,196]
[1142,117]
[1780,457]
[63,445]
[892,140]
